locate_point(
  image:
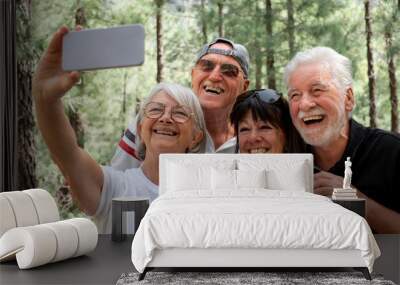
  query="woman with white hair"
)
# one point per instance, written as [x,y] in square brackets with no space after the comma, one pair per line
[170,121]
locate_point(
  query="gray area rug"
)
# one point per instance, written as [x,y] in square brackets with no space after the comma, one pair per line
[270,278]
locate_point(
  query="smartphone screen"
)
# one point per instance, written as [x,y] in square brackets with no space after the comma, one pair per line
[103,48]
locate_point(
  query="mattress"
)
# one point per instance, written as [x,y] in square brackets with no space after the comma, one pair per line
[250,219]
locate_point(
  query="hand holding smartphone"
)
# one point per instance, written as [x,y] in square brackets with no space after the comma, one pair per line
[103,48]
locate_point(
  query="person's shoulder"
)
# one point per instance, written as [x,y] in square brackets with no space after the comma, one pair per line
[377,134]
[384,136]
[382,145]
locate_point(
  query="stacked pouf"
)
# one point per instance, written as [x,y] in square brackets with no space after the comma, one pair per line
[31,230]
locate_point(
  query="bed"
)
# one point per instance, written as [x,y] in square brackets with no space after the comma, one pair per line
[247,211]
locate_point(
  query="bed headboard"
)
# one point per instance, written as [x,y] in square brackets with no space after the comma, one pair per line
[284,169]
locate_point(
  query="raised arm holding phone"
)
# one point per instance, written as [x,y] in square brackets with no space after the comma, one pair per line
[170,121]
[50,83]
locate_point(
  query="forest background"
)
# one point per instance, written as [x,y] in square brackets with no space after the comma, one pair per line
[102,104]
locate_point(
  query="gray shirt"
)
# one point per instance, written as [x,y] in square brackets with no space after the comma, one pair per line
[117,183]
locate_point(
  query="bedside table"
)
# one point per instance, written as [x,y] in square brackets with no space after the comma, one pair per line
[138,205]
[355,205]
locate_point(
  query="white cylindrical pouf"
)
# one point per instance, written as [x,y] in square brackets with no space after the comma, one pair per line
[87,234]
[45,205]
[7,217]
[34,246]
[67,240]
[23,208]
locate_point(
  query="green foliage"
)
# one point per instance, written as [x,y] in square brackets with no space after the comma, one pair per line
[99,99]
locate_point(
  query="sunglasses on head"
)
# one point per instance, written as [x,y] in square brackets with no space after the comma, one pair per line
[226,69]
[268,96]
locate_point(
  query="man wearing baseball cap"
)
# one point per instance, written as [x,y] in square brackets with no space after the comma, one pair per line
[219,75]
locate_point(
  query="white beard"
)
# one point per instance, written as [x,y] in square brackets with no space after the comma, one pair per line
[326,134]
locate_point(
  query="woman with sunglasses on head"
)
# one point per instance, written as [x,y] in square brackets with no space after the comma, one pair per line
[170,120]
[262,124]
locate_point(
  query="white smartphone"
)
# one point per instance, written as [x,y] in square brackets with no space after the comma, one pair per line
[103,48]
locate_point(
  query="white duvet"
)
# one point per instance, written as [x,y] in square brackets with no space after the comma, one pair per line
[250,218]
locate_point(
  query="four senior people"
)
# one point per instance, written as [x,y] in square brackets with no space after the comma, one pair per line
[262,124]
[219,75]
[170,121]
[321,101]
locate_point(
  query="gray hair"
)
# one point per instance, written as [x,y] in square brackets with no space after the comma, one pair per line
[338,65]
[184,96]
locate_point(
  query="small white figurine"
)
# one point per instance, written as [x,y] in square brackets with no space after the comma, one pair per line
[347,174]
[345,193]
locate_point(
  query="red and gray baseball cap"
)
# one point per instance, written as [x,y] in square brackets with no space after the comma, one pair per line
[238,52]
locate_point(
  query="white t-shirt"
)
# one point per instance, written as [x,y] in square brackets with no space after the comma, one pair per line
[126,156]
[117,183]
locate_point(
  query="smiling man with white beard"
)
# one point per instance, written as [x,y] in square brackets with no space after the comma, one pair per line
[321,101]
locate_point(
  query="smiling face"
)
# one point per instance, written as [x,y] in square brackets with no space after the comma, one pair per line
[164,135]
[318,109]
[257,136]
[216,90]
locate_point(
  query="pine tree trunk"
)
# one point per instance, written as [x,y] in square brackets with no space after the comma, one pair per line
[270,45]
[258,74]
[290,28]
[220,18]
[124,95]
[392,83]
[123,107]
[203,22]
[257,46]
[80,18]
[159,4]
[26,177]
[371,73]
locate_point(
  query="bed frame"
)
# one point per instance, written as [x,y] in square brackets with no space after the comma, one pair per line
[250,259]
[255,259]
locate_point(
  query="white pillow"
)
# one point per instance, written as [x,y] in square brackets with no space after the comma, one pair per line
[251,178]
[291,179]
[281,174]
[186,177]
[223,179]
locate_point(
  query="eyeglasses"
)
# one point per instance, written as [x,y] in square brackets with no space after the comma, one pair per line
[227,69]
[268,96]
[179,114]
